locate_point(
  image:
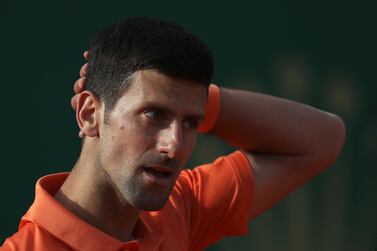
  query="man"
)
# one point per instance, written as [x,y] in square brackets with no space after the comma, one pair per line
[145,96]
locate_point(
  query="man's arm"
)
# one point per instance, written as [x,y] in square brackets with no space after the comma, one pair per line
[287,143]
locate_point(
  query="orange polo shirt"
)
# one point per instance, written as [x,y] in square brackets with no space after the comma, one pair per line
[206,204]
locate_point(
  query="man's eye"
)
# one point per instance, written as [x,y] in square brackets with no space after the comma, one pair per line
[155,114]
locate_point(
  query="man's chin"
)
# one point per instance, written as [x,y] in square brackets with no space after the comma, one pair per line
[150,202]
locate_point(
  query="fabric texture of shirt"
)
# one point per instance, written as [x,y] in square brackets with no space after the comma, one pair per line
[207,203]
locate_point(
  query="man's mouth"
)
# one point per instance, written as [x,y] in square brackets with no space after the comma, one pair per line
[161,173]
[158,175]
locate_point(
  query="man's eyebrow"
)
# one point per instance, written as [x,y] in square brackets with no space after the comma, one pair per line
[197,116]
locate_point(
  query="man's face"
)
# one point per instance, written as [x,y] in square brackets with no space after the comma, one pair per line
[150,134]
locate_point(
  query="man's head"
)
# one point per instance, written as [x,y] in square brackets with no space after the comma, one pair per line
[146,92]
[142,43]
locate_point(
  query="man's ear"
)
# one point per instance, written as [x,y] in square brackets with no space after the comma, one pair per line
[88,113]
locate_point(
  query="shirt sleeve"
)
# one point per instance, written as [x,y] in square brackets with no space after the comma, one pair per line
[219,196]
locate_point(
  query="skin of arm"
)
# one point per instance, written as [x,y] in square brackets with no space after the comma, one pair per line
[286,143]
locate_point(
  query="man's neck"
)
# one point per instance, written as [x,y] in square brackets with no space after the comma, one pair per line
[89,194]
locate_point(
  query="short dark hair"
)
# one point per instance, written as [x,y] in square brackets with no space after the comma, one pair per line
[141,43]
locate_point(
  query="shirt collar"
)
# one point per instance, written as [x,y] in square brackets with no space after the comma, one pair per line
[52,216]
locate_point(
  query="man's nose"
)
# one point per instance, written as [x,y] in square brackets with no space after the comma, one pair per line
[170,140]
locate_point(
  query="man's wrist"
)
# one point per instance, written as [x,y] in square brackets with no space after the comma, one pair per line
[212,109]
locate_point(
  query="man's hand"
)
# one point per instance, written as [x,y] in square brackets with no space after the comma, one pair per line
[79,86]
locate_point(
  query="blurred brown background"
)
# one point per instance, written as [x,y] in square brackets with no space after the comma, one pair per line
[322,53]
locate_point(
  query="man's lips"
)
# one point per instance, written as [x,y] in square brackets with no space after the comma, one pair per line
[160,170]
[162,176]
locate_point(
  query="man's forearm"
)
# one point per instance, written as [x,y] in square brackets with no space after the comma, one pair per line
[266,124]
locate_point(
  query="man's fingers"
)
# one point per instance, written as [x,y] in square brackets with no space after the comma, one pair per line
[79,85]
[83,70]
[86,55]
[74,102]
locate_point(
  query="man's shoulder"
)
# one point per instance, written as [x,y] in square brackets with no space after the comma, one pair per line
[228,163]
[233,168]
[31,237]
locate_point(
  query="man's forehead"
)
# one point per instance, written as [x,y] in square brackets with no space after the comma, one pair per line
[153,86]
